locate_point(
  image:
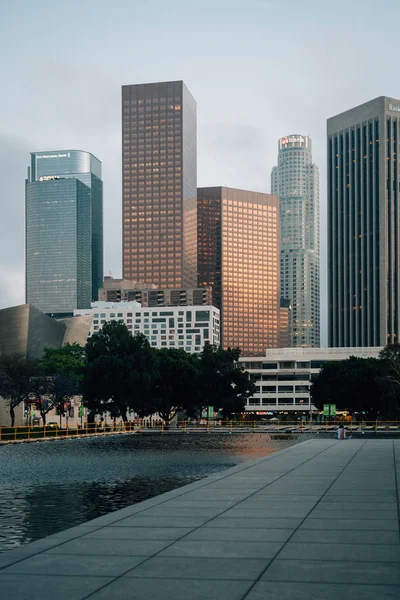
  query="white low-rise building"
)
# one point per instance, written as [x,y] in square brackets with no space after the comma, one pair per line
[283,375]
[185,327]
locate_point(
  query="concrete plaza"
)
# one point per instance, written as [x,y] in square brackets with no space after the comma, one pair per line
[319,520]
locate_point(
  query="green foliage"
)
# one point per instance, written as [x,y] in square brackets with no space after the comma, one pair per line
[16,372]
[222,382]
[389,382]
[351,384]
[123,373]
[68,361]
[119,372]
[174,384]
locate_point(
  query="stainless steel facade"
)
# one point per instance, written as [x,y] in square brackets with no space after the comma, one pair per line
[64,230]
[26,330]
[363,225]
[159,184]
[296,181]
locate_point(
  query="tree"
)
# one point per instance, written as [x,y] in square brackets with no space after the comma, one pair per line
[389,382]
[222,381]
[174,385]
[52,392]
[16,372]
[351,384]
[69,361]
[119,372]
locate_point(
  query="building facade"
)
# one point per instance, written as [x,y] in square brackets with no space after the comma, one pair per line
[159,184]
[296,181]
[63,231]
[238,256]
[363,225]
[283,376]
[121,290]
[184,327]
[27,331]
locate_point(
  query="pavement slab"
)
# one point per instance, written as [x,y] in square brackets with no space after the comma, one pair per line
[319,520]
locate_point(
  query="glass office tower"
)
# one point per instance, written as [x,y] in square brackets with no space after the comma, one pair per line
[364,225]
[238,255]
[296,181]
[64,230]
[159,184]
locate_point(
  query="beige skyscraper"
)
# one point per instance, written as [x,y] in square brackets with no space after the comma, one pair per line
[296,181]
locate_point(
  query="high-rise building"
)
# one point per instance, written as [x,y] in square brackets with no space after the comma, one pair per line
[121,290]
[238,256]
[296,181]
[363,225]
[63,231]
[159,184]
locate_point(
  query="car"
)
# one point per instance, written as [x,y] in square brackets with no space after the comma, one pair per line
[53,424]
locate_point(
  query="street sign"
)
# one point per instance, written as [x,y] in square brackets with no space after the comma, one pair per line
[330,410]
[210,412]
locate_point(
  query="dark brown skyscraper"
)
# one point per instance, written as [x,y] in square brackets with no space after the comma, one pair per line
[238,255]
[159,184]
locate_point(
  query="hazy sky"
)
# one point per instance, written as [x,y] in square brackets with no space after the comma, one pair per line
[259,69]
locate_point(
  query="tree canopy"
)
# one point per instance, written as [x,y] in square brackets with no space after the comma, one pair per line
[354,384]
[16,373]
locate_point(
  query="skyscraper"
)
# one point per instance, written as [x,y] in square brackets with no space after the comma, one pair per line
[159,184]
[63,230]
[296,181]
[363,224]
[238,255]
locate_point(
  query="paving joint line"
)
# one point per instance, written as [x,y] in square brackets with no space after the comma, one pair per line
[239,468]
[208,521]
[301,523]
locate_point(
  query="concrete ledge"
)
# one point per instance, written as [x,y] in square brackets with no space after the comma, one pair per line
[317,520]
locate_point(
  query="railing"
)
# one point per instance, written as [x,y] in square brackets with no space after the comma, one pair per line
[15,434]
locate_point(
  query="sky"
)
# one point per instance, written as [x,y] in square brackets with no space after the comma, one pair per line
[258,69]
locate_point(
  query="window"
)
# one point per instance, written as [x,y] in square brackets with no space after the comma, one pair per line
[288,364]
[202,315]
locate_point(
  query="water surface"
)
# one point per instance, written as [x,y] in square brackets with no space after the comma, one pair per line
[46,487]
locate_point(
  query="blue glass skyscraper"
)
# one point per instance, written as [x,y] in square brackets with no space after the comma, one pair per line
[64,231]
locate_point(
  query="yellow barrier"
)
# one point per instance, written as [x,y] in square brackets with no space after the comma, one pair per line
[210,425]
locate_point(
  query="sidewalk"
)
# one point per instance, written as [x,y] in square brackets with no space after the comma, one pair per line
[317,521]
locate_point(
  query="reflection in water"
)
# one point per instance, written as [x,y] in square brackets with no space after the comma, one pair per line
[49,486]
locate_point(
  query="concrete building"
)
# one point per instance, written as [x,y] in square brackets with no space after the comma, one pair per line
[159,184]
[363,225]
[121,290]
[296,181]
[238,256]
[283,376]
[64,231]
[27,331]
[185,327]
